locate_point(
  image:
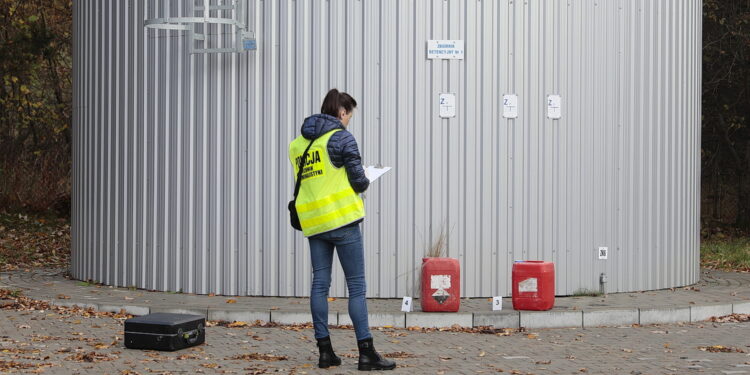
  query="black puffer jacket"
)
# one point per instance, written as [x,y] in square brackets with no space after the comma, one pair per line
[342,147]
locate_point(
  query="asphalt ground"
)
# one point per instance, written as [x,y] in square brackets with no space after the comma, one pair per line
[61,341]
[718,293]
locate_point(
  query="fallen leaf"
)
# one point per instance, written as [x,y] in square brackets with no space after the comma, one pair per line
[62,296]
[627,350]
[7,366]
[258,357]
[482,354]
[231,301]
[237,324]
[732,318]
[90,357]
[720,349]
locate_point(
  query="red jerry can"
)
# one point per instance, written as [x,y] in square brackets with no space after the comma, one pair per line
[533,285]
[441,284]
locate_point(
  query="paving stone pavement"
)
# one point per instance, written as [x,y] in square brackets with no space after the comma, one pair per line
[41,337]
[717,293]
[714,287]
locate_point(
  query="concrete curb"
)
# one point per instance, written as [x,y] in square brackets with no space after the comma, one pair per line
[299,317]
[665,315]
[552,319]
[700,313]
[377,319]
[498,319]
[510,319]
[132,310]
[239,315]
[603,318]
[741,308]
[439,320]
[180,310]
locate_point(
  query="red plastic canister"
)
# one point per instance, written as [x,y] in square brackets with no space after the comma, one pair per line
[533,285]
[441,284]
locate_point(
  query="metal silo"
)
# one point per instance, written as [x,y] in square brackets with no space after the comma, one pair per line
[181,178]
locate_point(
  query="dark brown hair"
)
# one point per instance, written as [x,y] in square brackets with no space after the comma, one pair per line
[335,101]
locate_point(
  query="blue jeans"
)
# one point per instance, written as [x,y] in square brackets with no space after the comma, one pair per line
[351,251]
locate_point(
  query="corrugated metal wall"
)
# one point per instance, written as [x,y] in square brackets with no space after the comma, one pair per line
[181,177]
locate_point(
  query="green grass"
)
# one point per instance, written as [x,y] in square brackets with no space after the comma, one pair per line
[583,292]
[730,254]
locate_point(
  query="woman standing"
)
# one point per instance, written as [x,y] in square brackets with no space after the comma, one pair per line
[330,211]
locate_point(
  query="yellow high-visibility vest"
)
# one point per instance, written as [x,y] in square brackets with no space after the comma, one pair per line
[326,200]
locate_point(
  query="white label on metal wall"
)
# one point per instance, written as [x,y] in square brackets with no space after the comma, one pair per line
[406,304]
[528,285]
[510,106]
[554,104]
[447,105]
[497,303]
[603,252]
[445,49]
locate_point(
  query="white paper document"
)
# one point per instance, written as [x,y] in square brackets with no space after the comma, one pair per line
[373,173]
[497,303]
[406,304]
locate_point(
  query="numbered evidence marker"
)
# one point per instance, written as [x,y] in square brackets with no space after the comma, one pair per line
[447,105]
[554,104]
[510,106]
[406,304]
[603,252]
[497,303]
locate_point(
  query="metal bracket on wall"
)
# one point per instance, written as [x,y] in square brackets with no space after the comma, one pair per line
[242,39]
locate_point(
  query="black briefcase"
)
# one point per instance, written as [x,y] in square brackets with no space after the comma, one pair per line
[163,331]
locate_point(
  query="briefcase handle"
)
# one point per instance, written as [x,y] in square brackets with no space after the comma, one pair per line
[192,336]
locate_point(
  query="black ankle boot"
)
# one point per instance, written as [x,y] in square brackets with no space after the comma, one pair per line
[327,357]
[369,359]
